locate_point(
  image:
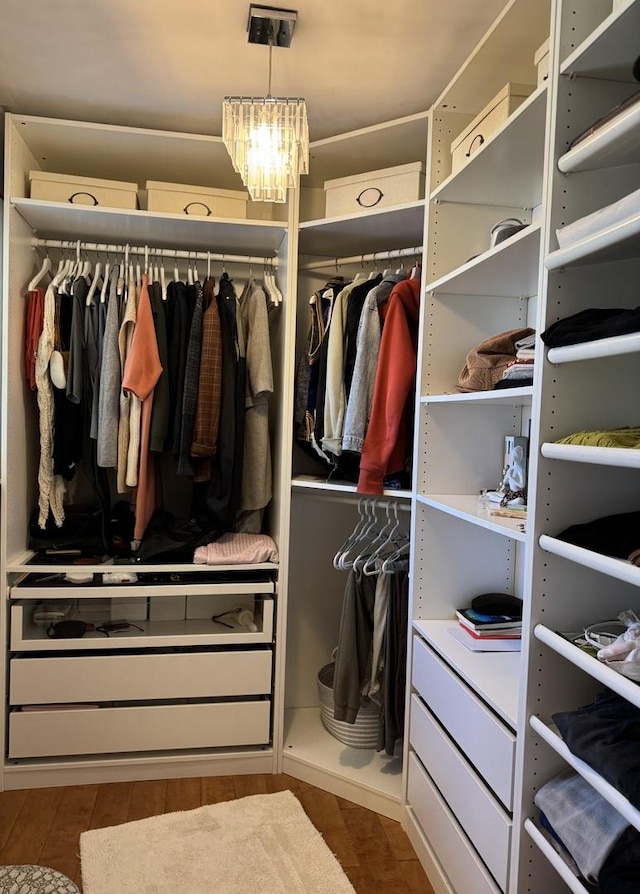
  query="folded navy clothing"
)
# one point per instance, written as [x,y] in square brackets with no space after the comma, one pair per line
[612,535]
[590,325]
[620,873]
[605,735]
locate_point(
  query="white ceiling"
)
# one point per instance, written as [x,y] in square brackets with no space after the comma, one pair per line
[167,64]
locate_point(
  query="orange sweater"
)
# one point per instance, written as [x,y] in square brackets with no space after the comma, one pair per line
[386,443]
[141,373]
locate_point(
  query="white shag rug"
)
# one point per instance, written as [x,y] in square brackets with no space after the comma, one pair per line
[263,844]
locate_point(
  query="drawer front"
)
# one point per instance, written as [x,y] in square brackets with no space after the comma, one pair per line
[38,681]
[460,863]
[487,742]
[149,728]
[477,811]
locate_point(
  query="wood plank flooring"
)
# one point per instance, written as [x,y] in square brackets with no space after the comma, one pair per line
[44,825]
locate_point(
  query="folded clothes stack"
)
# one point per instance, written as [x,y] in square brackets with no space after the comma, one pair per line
[519,372]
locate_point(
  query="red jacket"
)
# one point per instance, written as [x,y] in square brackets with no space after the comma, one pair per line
[387,444]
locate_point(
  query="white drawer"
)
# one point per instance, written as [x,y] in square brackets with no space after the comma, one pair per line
[148,728]
[477,811]
[459,861]
[101,678]
[487,742]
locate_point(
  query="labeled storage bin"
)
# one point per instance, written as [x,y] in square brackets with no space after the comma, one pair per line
[485,124]
[195,201]
[374,189]
[49,187]
[361,734]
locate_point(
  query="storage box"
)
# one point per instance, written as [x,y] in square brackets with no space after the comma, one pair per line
[82,190]
[541,61]
[195,201]
[487,123]
[374,189]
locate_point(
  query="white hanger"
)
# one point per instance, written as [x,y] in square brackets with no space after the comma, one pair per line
[42,272]
[196,278]
[63,267]
[373,273]
[396,537]
[189,271]
[388,565]
[93,288]
[369,532]
[416,271]
[272,286]
[105,281]
[362,512]
[208,265]
[156,270]
[146,260]
[176,272]
[163,279]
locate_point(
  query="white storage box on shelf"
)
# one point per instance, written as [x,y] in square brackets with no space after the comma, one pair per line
[374,189]
[605,218]
[487,122]
[541,61]
[49,187]
[195,201]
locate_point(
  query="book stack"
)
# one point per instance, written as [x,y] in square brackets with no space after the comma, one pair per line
[481,632]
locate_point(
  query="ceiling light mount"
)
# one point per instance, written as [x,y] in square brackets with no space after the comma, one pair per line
[271,26]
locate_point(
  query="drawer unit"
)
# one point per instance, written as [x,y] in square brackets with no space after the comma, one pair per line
[99,678]
[477,811]
[75,731]
[487,742]
[459,861]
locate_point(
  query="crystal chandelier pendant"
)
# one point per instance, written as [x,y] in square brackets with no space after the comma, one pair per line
[267,137]
[268,141]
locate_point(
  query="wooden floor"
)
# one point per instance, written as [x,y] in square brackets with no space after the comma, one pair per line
[44,825]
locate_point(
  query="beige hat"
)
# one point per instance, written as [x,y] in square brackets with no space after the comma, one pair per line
[487,361]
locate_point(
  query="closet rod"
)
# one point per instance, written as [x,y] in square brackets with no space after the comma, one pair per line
[360,259]
[169,253]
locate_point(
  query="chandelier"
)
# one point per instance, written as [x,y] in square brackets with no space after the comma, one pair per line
[267,137]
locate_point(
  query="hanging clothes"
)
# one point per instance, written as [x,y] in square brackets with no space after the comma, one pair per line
[110,381]
[142,371]
[33,331]
[126,397]
[207,421]
[51,487]
[178,324]
[256,490]
[161,396]
[388,440]
[369,334]
[191,378]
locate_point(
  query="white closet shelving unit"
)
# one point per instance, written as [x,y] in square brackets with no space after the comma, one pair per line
[182,697]
[584,387]
[464,727]
[324,512]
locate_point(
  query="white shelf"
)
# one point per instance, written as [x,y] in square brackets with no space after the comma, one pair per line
[611,794]
[60,220]
[573,883]
[618,568]
[596,669]
[361,775]
[615,143]
[380,146]
[310,482]
[494,676]
[400,226]
[465,506]
[144,589]
[27,637]
[510,269]
[624,457]
[517,397]
[507,169]
[595,350]
[610,50]
[22,564]
[614,243]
